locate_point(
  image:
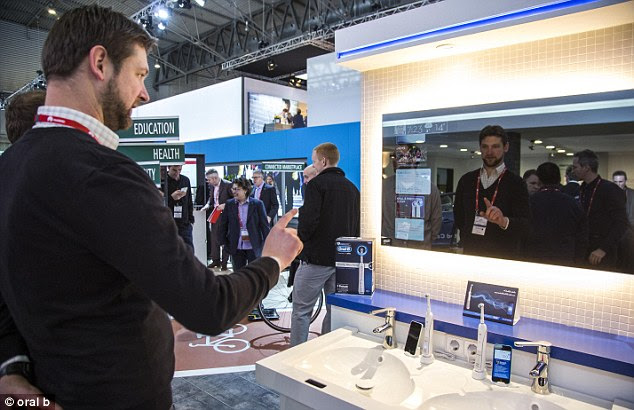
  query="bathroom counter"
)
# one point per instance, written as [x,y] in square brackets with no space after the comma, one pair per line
[585,347]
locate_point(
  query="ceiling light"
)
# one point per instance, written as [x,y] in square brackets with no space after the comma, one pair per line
[162,25]
[561,151]
[443,145]
[478,153]
[51,10]
[157,65]
[569,154]
[185,4]
[270,64]
[162,13]
[445,46]
[146,22]
[263,44]
[550,147]
[463,150]
[537,142]
[419,141]
[298,82]
[201,3]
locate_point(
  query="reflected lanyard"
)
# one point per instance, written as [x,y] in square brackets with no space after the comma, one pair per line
[495,194]
[594,191]
[52,119]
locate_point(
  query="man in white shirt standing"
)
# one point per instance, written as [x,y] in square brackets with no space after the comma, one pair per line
[219,193]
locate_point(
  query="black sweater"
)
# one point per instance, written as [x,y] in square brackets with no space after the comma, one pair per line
[89,260]
[512,199]
[607,219]
[331,209]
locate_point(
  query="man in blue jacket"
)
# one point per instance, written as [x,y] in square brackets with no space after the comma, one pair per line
[331,209]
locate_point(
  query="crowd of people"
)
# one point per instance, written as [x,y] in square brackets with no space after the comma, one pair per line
[91,259]
[536,218]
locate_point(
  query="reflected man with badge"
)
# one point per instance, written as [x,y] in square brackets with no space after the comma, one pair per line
[491,207]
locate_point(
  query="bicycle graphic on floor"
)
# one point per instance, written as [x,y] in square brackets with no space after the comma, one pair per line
[225,342]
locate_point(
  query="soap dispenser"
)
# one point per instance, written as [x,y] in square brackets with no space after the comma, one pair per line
[427,356]
[479,368]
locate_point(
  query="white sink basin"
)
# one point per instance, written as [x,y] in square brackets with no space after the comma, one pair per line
[369,370]
[348,370]
[489,400]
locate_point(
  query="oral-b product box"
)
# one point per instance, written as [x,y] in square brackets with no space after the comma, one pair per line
[354,263]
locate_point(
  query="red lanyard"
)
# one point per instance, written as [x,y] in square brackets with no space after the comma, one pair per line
[495,194]
[594,191]
[66,122]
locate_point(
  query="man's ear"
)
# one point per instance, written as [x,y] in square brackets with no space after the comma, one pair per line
[506,147]
[98,59]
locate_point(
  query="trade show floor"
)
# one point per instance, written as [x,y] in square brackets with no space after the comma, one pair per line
[218,371]
[223,392]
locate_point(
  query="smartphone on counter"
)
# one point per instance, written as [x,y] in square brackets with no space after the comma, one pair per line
[413,338]
[502,363]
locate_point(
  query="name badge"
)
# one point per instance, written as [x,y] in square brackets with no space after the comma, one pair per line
[178,212]
[479,225]
[244,234]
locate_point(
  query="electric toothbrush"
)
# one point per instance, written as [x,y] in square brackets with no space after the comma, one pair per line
[361,250]
[479,368]
[469,297]
[427,356]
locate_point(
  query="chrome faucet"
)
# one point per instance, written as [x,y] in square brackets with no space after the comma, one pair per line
[389,342]
[539,374]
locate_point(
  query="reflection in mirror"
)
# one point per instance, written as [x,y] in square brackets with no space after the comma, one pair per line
[426,153]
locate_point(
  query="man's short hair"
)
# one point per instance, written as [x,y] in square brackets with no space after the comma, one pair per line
[493,131]
[80,29]
[329,151]
[549,173]
[21,111]
[588,158]
[245,184]
[569,174]
[211,171]
[528,173]
[257,171]
[618,173]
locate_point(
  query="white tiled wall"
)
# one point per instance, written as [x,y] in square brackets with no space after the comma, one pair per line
[595,61]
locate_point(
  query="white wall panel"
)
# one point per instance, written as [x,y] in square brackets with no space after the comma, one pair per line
[334,92]
[210,112]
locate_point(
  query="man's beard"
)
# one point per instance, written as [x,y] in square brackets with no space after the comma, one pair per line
[115,114]
[492,163]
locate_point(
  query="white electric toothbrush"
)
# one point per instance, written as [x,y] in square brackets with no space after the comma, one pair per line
[427,356]
[479,367]
[361,250]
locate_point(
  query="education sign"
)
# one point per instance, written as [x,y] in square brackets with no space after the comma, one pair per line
[151,129]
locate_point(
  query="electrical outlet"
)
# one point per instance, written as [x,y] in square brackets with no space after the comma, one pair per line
[470,350]
[455,346]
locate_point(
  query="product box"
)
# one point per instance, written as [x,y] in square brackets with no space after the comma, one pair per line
[354,262]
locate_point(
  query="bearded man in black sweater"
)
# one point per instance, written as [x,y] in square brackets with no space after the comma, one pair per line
[90,258]
[491,208]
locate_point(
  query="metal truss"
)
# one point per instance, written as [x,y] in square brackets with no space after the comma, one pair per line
[283,26]
[38,83]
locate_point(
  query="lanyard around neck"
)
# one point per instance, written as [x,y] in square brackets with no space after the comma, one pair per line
[495,194]
[52,119]
[594,191]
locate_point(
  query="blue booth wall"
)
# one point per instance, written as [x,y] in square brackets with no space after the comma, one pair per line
[287,144]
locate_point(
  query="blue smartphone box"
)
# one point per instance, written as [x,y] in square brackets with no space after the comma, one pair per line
[354,263]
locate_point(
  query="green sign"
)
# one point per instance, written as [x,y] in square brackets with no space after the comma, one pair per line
[165,154]
[153,169]
[283,166]
[151,129]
